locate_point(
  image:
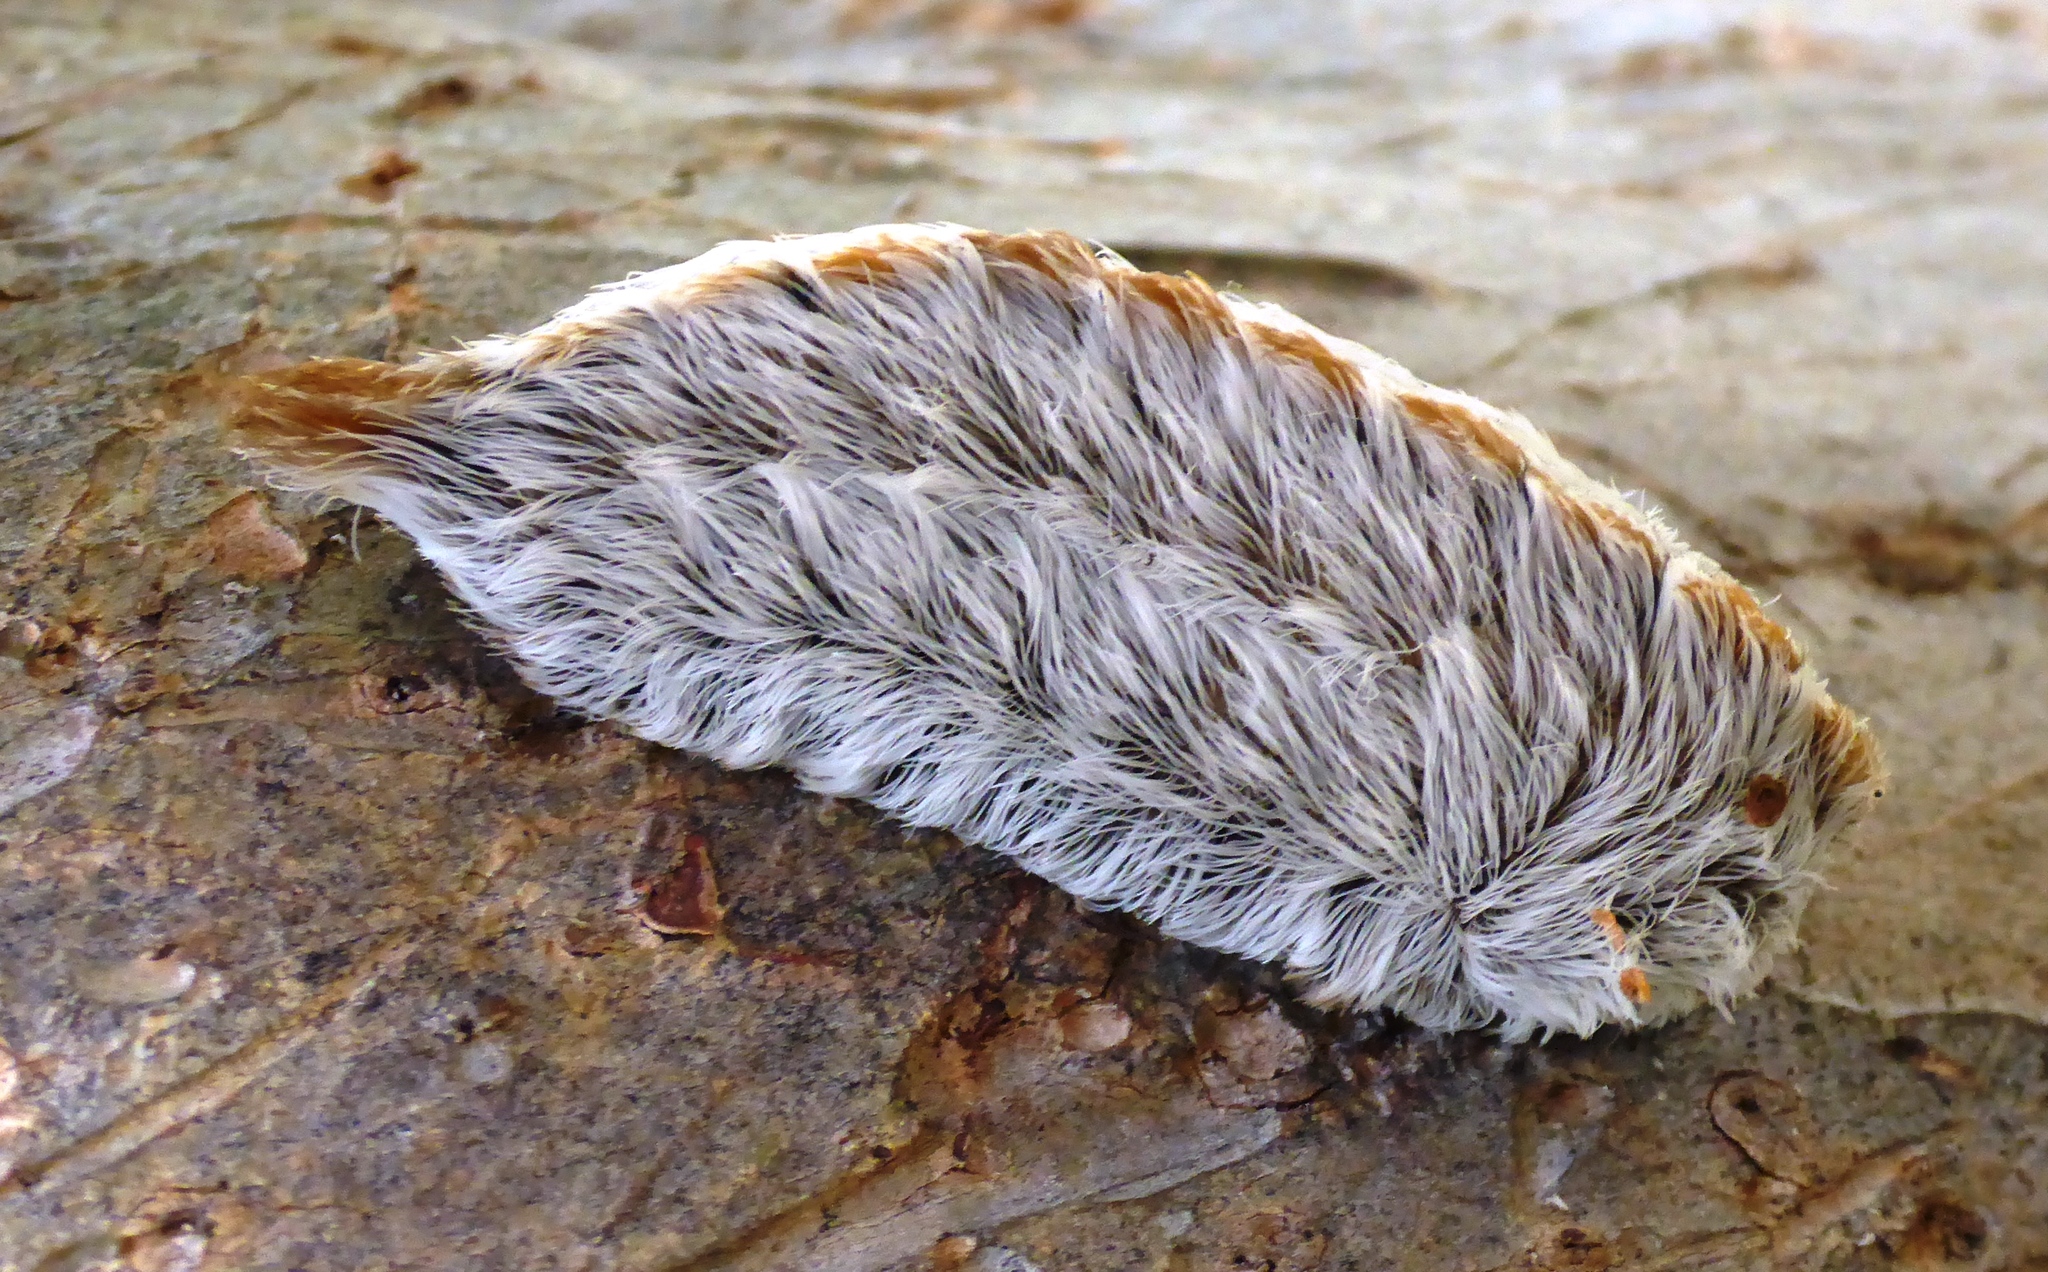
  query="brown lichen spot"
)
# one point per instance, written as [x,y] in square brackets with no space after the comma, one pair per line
[1569,1100]
[435,97]
[1776,265]
[1929,1061]
[331,408]
[375,694]
[1774,46]
[406,300]
[1738,621]
[1574,1250]
[379,181]
[1270,1238]
[683,901]
[350,44]
[1845,747]
[983,17]
[1765,800]
[243,542]
[1339,372]
[1944,1232]
[1635,985]
[1459,425]
[49,654]
[1932,553]
[1266,271]
[495,1012]
[915,98]
[584,940]
[2008,22]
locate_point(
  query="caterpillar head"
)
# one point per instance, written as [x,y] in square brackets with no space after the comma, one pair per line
[1651,849]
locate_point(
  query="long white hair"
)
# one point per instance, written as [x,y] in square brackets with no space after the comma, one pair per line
[1187,606]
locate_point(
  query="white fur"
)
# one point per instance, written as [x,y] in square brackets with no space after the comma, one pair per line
[1171,619]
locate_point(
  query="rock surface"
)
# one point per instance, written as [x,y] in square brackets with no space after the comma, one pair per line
[323,945]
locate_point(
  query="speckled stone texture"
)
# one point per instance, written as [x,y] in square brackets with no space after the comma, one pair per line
[324,945]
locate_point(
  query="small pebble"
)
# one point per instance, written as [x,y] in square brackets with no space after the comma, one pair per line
[176,1245]
[135,981]
[45,753]
[485,1063]
[998,1259]
[1095,1026]
[1260,1045]
[950,1253]
[1175,1223]
[244,542]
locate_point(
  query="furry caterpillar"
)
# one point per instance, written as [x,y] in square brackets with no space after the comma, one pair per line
[1185,605]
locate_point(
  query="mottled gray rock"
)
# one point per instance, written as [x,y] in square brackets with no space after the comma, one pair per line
[324,945]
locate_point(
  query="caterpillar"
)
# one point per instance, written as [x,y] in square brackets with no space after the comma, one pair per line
[1183,604]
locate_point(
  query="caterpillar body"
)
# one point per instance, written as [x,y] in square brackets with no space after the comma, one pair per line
[1185,605]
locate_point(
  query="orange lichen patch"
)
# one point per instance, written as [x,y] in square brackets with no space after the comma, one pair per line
[1635,986]
[330,408]
[1338,371]
[955,17]
[1457,424]
[1765,800]
[683,901]
[1841,741]
[379,181]
[1611,928]
[1736,618]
